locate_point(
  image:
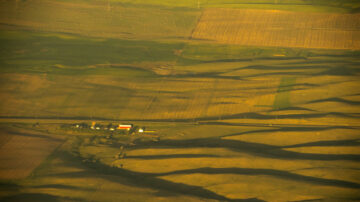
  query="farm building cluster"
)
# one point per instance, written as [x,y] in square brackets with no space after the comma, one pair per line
[110,127]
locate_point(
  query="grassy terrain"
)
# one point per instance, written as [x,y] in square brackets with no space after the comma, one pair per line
[282,99]
[293,5]
[191,163]
[228,122]
[278,28]
[59,77]
[19,144]
[224,116]
[97,19]
[24,51]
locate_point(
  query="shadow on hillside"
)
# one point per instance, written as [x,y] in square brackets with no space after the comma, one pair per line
[335,99]
[136,179]
[254,115]
[256,149]
[270,172]
[352,142]
[289,129]
[169,156]
[61,186]
[147,180]
[151,179]
[36,197]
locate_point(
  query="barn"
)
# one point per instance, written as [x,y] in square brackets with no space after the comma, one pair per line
[125,126]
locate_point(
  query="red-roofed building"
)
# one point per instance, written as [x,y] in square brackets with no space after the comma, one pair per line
[125,126]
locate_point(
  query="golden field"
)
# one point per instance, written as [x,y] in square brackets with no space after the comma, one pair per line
[279,28]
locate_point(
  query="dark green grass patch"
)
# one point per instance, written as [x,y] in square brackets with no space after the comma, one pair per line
[29,51]
[282,98]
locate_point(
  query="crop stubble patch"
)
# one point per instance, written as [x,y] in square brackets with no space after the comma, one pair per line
[279,28]
[23,152]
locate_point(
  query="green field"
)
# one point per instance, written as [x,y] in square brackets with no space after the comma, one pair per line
[223,122]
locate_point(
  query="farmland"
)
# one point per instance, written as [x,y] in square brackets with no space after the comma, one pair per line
[231,117]
[26,151]
[279,28]
[98,19]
